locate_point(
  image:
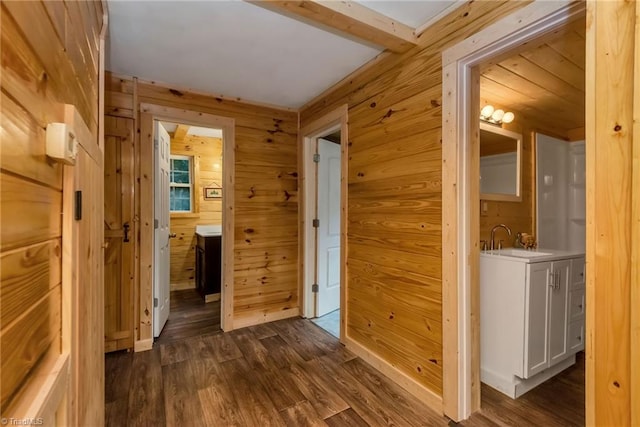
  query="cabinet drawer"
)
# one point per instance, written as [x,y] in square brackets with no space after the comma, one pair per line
[577,273]
[576,304]
[576,336]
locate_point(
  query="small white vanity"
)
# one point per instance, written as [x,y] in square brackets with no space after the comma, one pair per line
[532,306]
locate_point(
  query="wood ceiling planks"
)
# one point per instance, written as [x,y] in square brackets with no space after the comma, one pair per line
[544,81]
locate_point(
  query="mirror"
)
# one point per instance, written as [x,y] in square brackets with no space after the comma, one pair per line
[500,164]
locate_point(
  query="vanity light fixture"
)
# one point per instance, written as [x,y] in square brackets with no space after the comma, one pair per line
[495,117]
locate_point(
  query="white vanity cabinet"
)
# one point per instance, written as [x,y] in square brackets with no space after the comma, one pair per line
[546,306]
[575,332]
[531,317]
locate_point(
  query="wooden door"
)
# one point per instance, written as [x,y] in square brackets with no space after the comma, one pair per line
[162,286]
[119,233]
[329,229]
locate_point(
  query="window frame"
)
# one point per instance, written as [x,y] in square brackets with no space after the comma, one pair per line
[190,185]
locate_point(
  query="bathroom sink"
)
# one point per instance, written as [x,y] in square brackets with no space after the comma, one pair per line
[520,253]
[209,230]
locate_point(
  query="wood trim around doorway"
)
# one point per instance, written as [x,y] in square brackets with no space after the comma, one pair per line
[460,195]
[337,117]
[149,113]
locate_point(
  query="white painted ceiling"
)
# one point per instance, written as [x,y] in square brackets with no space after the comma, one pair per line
[413,13]
[240,50]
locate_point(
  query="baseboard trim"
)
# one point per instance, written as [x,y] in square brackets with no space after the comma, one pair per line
[182,286]
[260,318]
[403,380]
[212,297]
[143,345]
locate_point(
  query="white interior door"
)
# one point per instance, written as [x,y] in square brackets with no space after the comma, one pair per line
[161,285]
[329,230]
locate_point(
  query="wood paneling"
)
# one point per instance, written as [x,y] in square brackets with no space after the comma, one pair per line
[44,205]
[207,172]
[612,143]
[265,191]
[544,81]
[394,193]
[30,336]
[27,274]
[49,59]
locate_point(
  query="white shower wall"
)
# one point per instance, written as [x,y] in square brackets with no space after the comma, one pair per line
[560,181]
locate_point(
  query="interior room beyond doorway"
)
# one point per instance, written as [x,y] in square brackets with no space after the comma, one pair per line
[195,193]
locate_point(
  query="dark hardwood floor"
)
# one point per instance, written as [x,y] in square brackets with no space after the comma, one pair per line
[189,317]
[292,373]
[558,402]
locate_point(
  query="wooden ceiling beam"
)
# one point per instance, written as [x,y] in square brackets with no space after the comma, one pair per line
[349,18]
[180,132]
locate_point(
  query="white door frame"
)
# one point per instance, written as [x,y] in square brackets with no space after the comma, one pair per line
[460,194]
[333,121]
[149,113]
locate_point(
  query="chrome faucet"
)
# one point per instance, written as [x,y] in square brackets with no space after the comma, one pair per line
[493,232]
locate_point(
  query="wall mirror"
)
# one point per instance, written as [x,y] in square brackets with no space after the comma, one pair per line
[500,164]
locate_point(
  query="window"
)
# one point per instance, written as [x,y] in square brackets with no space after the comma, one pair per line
[181,184]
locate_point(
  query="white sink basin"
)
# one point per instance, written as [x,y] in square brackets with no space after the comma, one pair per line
[520,253]
[209,230]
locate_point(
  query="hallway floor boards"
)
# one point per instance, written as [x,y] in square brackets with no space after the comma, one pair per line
[292,373]
[189,316]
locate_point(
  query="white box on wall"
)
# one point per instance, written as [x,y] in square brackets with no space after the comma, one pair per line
[61,143]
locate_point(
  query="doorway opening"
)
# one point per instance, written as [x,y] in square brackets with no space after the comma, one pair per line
[465,69]
[156,207]
[188,240]
[327,236]
[323,221]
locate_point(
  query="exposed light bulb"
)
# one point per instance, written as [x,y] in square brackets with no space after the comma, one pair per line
[486,111]
[497,116]
[508,117]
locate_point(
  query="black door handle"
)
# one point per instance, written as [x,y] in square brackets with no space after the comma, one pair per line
[126,232]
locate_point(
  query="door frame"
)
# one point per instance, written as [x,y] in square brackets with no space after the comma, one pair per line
[334,120]
[460,193]
[148,114]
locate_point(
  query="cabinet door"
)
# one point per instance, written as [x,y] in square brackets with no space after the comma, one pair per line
[536,326]
[558,312]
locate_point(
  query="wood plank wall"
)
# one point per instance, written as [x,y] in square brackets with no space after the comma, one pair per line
[49,58]
[207,153]
[394,211]
[266,193]
[613,192]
